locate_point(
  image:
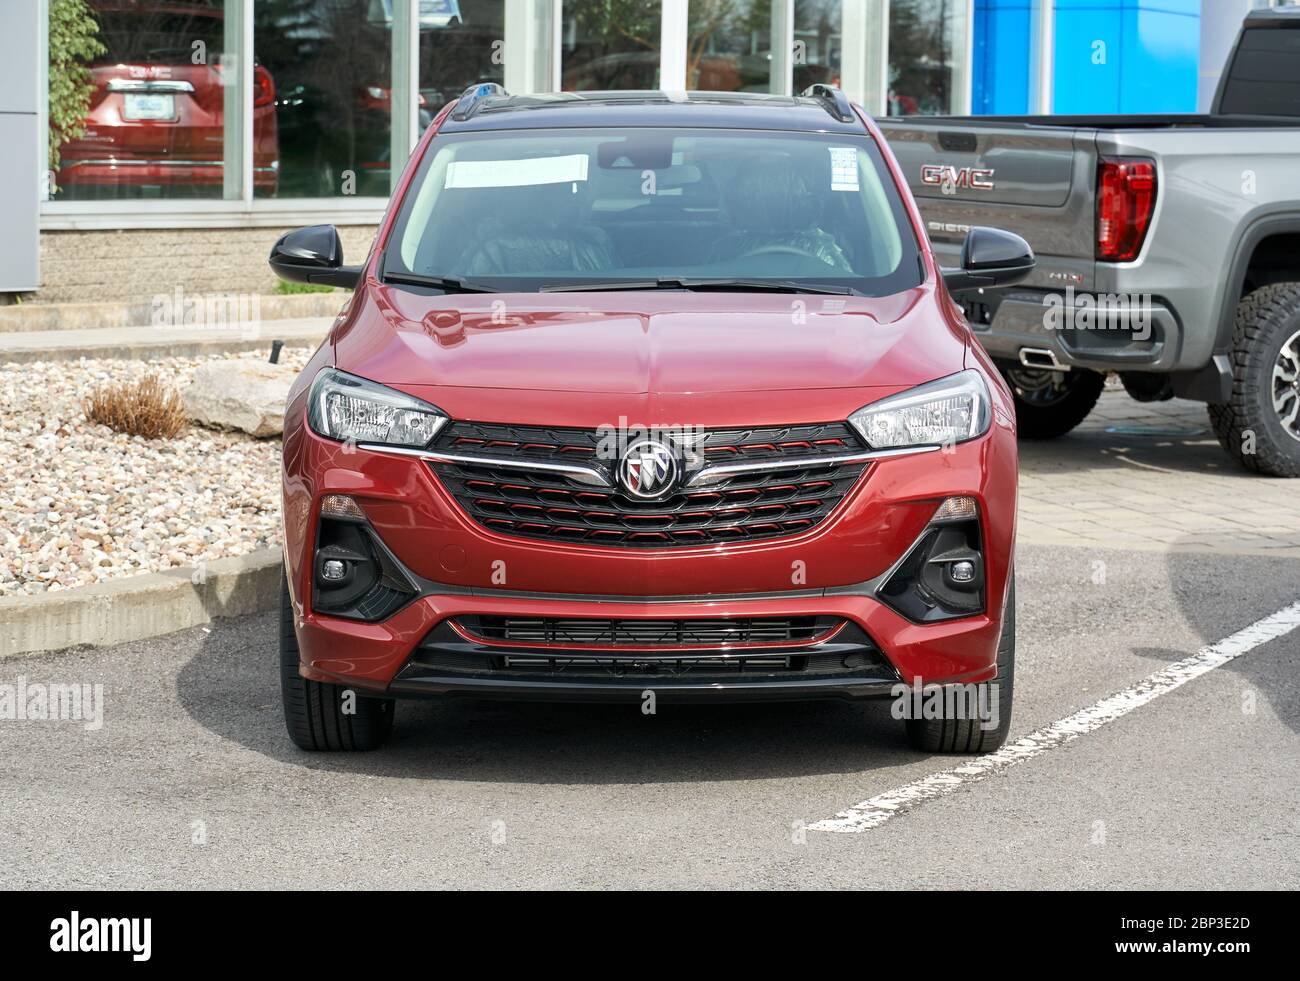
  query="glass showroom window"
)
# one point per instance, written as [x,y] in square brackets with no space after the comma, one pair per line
[609,44]
[328,64]
[138,102]
[460,43]
[816,42]
[729,46]
[927,57]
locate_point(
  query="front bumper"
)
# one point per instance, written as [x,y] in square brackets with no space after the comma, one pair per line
[410,653]
[832,571]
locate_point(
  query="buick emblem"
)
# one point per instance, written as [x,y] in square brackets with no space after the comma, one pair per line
[648,469]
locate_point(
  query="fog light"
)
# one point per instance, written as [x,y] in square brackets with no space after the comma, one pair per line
[354,574]
[941,576]
[341,506]
[957,508]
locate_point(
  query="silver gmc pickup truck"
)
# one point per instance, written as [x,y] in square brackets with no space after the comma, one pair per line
[1168,248]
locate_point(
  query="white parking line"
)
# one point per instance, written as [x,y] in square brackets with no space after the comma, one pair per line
[877,810]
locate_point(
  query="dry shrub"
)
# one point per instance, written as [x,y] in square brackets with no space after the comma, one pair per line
[145,408]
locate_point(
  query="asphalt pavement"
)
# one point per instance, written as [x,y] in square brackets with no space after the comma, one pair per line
[191,781]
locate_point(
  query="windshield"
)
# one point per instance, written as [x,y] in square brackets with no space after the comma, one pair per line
[536,209]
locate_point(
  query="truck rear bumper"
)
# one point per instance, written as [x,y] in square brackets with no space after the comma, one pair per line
[1084,330]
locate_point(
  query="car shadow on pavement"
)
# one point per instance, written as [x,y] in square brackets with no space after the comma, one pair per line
[231,688]
[1094,450]
[1267,675]
[1173,436]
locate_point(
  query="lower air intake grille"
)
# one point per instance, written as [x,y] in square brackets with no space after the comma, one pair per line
[663,634]
[562,650]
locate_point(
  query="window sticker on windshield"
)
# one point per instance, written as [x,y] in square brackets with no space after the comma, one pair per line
[844,168]
[517,173]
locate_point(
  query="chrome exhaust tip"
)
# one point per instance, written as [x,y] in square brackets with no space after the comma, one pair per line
[1041,358]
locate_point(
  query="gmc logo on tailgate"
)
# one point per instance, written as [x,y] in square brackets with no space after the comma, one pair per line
[946,176]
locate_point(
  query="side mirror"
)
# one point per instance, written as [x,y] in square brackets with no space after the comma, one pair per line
[313,255]
[990,258]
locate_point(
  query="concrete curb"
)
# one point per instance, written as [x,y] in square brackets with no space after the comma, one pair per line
[37,316]
[144,342]
[138,607]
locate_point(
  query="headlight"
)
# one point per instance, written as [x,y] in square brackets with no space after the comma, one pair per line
[346,407]
[949,410]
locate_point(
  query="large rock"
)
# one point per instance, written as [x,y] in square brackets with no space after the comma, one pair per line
[240,394]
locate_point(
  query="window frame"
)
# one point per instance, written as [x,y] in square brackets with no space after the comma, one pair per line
[242,210]
[532,43]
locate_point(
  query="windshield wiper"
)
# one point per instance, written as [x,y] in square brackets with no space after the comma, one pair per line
[771,285]
[701,285]
[445,283]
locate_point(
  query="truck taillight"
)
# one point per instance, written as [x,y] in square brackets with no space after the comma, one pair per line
[1126,198]
[263,88]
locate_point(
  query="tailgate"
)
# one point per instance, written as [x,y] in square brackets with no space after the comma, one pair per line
[1035,180]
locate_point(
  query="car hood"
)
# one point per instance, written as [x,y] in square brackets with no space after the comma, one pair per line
[647,342]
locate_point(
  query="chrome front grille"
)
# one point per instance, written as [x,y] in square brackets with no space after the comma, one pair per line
[530,494]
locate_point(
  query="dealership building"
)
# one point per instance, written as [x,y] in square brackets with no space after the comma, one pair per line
[189,133]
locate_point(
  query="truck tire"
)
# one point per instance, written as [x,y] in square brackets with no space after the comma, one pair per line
[1051,403]
[1259,426]
[314,712]
[967,735]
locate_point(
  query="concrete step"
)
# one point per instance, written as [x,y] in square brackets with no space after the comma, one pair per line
[142,342]
[176,309]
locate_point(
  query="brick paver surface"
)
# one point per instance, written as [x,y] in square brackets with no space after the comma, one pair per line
[1168,487]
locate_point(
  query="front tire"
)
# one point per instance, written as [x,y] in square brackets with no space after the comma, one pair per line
[967,735]
[1051,403]
[1259,426]
[321,716]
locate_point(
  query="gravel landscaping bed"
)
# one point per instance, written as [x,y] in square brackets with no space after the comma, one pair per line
[80,503]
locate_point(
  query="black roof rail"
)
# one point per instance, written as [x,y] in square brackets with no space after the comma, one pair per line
[473,97]
[832,99]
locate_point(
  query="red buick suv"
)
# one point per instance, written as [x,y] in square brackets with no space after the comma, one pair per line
[648,396]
